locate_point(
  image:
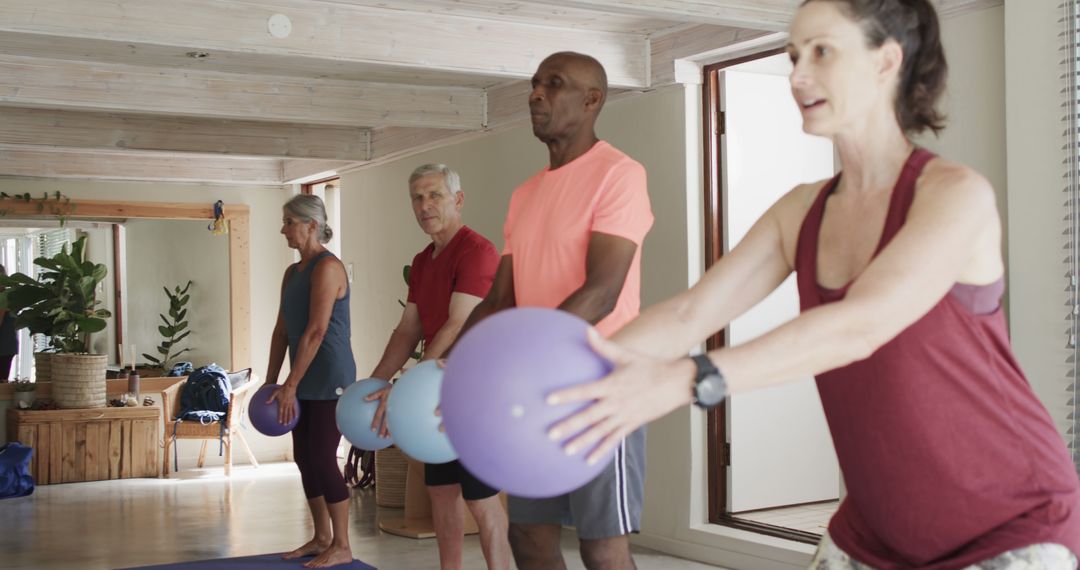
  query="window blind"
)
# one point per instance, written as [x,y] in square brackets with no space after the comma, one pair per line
[1070,36]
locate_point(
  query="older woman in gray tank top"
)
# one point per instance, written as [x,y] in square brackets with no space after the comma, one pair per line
[313,323]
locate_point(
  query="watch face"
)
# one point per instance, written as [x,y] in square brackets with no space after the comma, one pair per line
[711,390]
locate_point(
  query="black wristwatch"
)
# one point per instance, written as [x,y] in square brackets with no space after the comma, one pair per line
[710,387]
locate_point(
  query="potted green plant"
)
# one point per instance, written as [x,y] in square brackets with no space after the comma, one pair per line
[62,303]
[175,329]
[22,296]
[23,393]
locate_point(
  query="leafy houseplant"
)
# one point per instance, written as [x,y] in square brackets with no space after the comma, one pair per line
[174,330]
[62,303]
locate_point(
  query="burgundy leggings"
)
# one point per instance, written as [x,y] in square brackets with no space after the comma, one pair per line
[315,442]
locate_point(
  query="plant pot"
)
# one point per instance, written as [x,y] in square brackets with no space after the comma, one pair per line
[23,400]
[43,366]
[78,380]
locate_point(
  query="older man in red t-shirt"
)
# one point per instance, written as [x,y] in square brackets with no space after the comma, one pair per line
[447,280]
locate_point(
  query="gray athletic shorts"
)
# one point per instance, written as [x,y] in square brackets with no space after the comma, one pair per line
[1034,557]
[607,506]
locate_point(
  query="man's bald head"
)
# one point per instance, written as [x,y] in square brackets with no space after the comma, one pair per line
[568,91]
[584,69]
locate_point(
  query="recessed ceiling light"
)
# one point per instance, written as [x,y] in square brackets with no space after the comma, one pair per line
[198,54]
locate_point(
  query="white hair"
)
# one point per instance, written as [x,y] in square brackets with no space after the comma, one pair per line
[450,178]
[310,208]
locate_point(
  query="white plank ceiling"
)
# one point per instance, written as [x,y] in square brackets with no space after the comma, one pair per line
[205,91]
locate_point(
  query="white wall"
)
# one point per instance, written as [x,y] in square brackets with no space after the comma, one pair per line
[168,253]
[975,100]
[1035,169]
[269,258]
[380,234]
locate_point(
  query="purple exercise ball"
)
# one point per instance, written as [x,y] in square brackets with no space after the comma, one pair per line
[494,400]
[264,417]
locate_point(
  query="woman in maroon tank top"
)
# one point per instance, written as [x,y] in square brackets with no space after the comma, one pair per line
[949,458]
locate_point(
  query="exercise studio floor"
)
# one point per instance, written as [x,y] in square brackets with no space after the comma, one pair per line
[199,514]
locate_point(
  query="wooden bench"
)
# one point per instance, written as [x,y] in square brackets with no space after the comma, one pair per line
[72,446]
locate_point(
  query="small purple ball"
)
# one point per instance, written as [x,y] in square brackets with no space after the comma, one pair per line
[264,417]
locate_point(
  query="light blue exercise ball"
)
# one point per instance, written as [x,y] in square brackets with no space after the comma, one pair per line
[354,415]
[411,413]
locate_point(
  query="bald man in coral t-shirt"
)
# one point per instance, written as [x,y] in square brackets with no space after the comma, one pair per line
[573,238]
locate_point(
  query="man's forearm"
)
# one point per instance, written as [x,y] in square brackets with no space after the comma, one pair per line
[443,340]
[483,310]
[590,303]
[398,350]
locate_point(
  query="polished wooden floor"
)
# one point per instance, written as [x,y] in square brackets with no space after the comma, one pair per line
[199,514]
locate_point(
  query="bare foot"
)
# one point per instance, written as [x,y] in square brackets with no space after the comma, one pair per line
[312,548]
[332,556]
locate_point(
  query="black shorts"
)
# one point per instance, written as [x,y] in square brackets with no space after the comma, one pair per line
[454,473]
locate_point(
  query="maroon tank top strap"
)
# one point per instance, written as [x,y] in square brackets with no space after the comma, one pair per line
[807,246]
[903,195]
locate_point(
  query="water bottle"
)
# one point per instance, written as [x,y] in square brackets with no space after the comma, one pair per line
[133,383]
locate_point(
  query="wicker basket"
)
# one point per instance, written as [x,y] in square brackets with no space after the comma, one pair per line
[43,366]
[78,380]
[391,471]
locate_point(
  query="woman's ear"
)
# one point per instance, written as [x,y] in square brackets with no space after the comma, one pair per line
[890,60]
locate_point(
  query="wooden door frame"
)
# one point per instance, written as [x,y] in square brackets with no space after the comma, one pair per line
[719,450]
[309,187]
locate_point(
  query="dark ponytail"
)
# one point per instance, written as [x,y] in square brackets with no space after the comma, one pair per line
[914,25]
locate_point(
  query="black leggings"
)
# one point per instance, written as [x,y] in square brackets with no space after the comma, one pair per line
[315,442]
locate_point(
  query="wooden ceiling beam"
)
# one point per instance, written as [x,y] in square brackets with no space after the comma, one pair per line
[768,15]
[140,166]
[697,42]
[302,171]
[92,131]
[322,30]
[46,83]
[771,15]
[950,8]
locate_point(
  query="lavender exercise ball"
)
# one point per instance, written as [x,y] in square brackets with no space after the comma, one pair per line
[494,400]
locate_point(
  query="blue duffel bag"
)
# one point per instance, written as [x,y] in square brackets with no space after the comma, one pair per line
[15,478]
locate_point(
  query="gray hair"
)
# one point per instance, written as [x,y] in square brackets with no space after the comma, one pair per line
[450,178]
[310,208]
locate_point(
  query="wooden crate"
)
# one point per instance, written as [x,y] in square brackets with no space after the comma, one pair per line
[89,445]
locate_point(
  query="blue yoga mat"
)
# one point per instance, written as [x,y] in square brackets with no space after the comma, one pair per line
[260,562]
